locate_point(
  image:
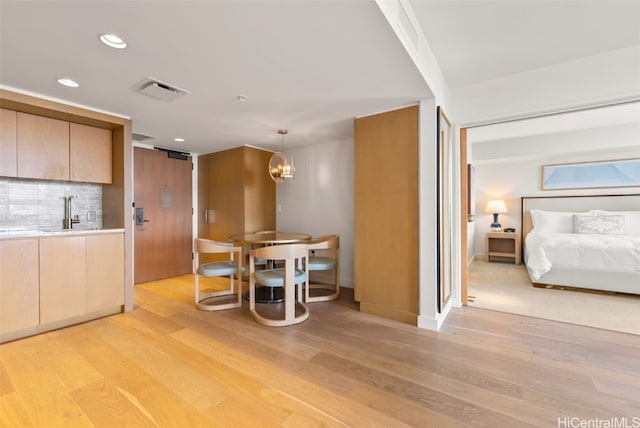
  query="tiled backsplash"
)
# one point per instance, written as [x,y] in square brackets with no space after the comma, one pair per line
[38,204]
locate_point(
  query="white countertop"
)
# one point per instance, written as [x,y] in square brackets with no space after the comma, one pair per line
[17,234]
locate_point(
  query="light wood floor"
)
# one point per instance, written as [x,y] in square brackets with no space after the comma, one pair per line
[167,364]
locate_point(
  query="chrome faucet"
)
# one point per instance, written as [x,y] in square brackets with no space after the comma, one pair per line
[68,221]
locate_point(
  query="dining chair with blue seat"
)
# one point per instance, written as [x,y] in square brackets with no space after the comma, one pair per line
[230,267]
[261,261]
[325,256]
[288,277]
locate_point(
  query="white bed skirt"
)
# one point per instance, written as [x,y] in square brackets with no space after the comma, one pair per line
[622,282]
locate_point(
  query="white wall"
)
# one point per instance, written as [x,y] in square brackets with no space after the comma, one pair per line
[427,194]
[510,180]
[471,225]
[403,22]
[471,230]
[320,199]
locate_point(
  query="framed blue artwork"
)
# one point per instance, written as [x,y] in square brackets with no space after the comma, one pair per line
[590,175]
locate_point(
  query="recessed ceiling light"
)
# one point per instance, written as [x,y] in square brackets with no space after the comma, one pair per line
[178,139]
[68,82]
[113,41]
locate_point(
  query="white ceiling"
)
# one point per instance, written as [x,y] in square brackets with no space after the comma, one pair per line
[481,40]
[619,114]
[308,66]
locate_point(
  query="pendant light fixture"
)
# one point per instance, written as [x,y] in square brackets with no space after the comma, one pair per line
[279,167]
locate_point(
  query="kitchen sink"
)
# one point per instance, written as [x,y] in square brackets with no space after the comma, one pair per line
[75,229]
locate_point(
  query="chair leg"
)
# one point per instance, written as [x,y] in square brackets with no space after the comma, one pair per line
[214,306]
[252,293]
[335,290]
[291,303]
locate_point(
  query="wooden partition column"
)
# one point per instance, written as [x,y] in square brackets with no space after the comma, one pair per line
[235,194]
[386,214]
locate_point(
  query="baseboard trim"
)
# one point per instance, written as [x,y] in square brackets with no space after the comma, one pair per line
[434,323]
[55,325]
[391,313]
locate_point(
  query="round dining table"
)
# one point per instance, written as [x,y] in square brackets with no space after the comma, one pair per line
[270,238]
[268,294]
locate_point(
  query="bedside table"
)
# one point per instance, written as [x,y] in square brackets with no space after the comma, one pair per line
[503,244]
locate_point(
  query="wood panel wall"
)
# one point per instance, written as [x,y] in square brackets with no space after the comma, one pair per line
[259,191]
[386,214]
[236,185]
[226,193]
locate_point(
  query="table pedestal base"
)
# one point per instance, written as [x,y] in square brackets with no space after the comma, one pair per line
[268,295]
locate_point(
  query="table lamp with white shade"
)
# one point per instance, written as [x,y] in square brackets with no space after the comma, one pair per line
[496,207]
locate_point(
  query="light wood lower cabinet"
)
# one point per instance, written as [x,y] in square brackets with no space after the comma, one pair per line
[63,278]
[80,275]
[105,271]
[18,285]
[52,282]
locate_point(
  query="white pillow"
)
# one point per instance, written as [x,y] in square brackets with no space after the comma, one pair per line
[631,220]
[602,224]
[553,221]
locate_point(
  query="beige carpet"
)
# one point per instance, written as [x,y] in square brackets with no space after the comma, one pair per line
[506,287]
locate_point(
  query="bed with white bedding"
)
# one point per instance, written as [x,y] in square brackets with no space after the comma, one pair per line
[586,242]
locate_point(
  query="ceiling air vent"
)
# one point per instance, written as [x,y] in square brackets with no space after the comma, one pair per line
[140,137]
[160,90]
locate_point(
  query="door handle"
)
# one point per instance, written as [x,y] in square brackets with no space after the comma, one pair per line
[140,217]
[208,216]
